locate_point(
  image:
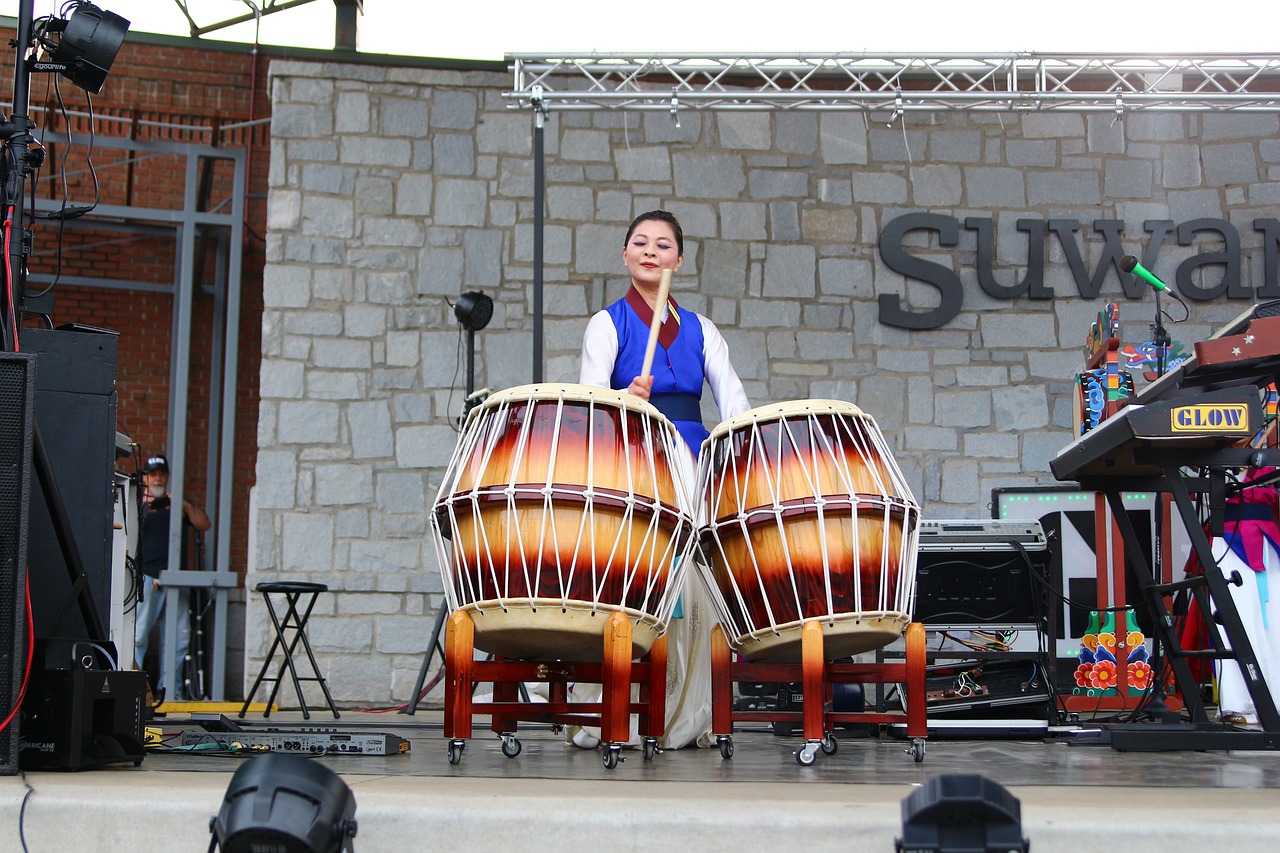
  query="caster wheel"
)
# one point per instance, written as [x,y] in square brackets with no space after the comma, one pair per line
[650,749]
[917,750]
[455,751]
[511,746]
[807,754]
[726,747]
[829,744]
[611,757]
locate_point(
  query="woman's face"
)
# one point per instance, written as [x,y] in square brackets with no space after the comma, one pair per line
[651,249]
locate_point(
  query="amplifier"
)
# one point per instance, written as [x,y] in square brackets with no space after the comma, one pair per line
[309,742]
[981,572]
[981,534]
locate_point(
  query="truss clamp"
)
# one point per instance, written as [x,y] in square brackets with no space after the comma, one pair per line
[675,107]
[539,104]
[897,109]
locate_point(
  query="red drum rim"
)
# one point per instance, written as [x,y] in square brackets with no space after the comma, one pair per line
[524,496]
[804,508]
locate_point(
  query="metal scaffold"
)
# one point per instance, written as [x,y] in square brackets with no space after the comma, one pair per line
[894,84]
[1014,82]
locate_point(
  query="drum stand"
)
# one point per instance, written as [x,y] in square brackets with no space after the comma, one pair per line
[817,675]
[612,713]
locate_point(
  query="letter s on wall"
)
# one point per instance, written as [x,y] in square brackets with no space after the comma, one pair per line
[900,261]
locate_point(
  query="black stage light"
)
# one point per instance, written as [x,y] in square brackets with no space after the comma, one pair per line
[286,804]
[474,310]
[88,44]
[961,813]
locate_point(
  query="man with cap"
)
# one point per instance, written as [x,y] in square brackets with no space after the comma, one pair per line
[153,558]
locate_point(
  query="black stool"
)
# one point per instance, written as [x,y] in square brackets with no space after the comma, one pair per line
[293,591]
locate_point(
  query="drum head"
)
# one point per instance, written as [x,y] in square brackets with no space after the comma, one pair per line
[842,635]
[547,629]
[569,393]
[790,409]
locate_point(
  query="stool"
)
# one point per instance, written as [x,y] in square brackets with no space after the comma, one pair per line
[293,592]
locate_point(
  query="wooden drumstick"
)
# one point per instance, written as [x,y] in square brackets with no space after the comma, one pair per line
[664,288]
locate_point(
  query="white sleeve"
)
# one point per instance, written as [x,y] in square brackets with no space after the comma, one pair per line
[599,350]
[726,387]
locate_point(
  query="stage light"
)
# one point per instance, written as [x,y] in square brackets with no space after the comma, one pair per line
[86,44]
[286,804]
[473,310]
[961,813]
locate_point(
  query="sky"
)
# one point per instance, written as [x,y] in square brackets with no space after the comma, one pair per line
[491,29]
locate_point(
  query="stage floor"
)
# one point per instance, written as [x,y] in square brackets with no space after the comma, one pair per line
[555,796]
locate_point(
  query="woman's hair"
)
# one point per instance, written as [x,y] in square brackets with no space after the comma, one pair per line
[658,216]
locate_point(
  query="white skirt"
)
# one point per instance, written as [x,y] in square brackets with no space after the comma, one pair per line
[1258,601]
[688,694]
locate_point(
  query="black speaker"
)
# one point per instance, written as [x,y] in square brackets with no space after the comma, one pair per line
[17,394]
[75,408]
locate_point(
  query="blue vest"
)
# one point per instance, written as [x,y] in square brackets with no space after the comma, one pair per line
[678,374]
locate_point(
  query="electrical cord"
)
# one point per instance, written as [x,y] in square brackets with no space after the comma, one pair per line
[1056,704]
[69,211]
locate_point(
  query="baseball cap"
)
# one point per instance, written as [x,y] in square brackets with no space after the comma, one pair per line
[155,463]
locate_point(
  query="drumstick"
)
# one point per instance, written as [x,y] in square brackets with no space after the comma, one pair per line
[664,288]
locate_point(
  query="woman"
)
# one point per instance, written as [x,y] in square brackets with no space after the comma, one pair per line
[690,349]
[1250,545]
[690,352]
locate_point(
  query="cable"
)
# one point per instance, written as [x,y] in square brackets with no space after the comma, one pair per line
[22,812]
[1047,663]
[26,674]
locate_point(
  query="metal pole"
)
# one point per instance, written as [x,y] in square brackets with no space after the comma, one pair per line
[539,191]
[16,135]
[471,365]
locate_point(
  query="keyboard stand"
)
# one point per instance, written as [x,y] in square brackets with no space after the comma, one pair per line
[1208,591]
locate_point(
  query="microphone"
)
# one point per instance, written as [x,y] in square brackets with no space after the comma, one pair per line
[1130,264]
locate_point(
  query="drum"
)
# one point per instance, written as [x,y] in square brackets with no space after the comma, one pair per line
[807,516]
[561,505]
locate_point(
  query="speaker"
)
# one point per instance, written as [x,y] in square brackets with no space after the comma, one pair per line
[17,394]
[1068,518]
[75,408]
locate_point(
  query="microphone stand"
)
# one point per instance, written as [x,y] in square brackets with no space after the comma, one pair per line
[1160,337]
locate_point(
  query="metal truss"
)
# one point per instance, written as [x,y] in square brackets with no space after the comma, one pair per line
[256,11]
[1014,82]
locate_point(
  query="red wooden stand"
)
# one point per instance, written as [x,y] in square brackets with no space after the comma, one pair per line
[612,713]
[817,676]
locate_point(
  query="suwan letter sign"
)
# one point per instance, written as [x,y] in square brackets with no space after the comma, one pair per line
[894,253]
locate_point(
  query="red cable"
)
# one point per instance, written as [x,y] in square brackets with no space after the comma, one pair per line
[31,642]
[10,307]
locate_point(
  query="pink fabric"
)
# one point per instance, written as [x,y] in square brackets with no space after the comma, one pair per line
[1246,536]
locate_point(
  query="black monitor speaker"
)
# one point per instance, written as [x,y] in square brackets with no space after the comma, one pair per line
[17,395]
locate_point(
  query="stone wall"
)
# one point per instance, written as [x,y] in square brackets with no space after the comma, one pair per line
[394,190]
